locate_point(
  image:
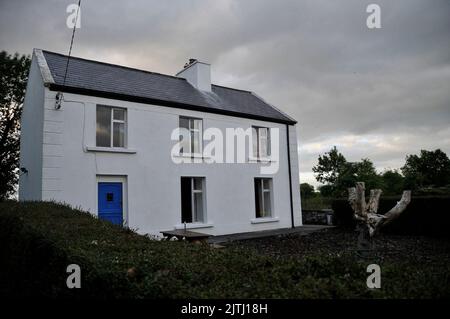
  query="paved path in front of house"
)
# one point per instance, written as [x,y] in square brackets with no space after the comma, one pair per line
[301,230]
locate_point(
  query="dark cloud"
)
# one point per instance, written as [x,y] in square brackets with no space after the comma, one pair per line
[374,93]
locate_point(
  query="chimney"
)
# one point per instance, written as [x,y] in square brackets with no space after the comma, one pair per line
[198,74]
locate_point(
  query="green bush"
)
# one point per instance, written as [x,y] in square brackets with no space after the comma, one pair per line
[39,240]
[423,216]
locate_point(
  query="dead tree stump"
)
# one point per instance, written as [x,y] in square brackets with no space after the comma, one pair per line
[369,222]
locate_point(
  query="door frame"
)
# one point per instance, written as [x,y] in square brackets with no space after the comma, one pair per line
[115,179]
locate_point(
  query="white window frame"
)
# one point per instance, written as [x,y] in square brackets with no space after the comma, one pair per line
[124,122]
[259,142]
[269,190]
[196,191]
[193,130]
[196,224]
[125,127]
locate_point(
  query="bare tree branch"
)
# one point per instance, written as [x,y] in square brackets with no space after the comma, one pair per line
[374,200]
[395,212]
[360,200]
[367,214]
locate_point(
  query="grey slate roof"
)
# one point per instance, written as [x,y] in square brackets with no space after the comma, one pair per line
[114,81]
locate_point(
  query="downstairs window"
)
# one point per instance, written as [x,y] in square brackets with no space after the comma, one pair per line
[192,200]
[263,197]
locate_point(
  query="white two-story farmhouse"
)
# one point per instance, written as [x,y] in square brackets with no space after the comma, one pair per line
[157,152]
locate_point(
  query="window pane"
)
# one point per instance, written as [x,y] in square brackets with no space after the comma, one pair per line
[258,197]
[198,184]
[103,131]
[267,205]
[119,114]
[198,207]
[255,141]
[184,122]
[186,200]
[266,184]
[185,141]
[197,124]
[185,136]
[196,142]
[263,142]
[119,135]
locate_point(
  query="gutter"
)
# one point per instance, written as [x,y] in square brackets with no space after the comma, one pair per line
[146,100]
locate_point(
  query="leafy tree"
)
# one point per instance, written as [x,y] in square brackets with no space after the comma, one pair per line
[393,182]
[13,80]
[429,169]
[338,174]
[326,190]
[329,166]
[306,190]
[366,172]
[363,171]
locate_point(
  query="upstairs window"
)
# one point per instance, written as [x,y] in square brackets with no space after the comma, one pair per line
[111,124]
[261,142]
[193,142]
[263,197]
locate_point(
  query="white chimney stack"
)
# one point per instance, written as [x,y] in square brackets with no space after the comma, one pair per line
[198,74]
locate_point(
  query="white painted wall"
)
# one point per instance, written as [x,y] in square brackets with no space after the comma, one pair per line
[30,184]
[70,172]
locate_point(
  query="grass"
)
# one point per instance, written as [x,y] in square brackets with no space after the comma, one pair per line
[316,202]
[39,240]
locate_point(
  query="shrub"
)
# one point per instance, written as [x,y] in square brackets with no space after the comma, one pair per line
[39,240]
[423,216]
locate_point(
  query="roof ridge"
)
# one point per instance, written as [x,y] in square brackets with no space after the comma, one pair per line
[116,65]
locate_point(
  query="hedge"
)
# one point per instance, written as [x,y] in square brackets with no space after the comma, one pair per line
[428,216]
[39,240]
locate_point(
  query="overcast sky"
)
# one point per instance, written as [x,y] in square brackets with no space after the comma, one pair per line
[376,93]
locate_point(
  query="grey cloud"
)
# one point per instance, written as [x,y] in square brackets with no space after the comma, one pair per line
[315,59]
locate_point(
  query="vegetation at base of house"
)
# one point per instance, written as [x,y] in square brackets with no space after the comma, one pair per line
[39,240]
[425,215]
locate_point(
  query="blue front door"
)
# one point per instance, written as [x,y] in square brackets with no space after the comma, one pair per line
[110,202]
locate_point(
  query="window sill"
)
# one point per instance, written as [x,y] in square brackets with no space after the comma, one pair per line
[262,220]
[252,159]
[194,225]
[192,156]
[110,150]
